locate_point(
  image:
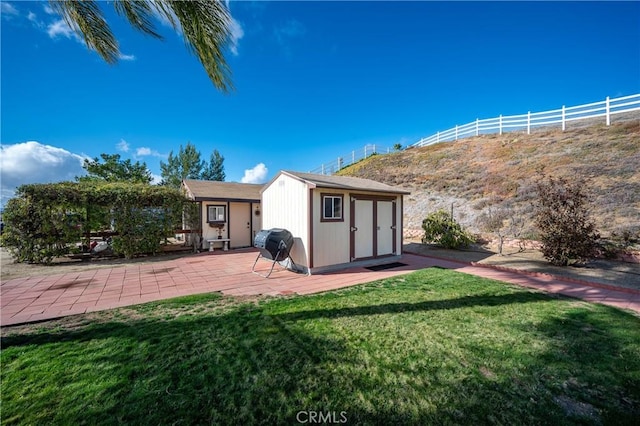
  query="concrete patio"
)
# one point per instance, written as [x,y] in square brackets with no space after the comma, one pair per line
[52,296]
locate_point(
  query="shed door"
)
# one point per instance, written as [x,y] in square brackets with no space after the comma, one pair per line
[385,227]
[363,228]
[240,225]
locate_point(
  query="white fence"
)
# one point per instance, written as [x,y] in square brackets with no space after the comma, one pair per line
[351,158]
[501,124]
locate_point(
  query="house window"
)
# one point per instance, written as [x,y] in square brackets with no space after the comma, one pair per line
[216,214]
[332,208]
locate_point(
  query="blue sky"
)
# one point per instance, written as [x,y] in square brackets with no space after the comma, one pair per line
[314,81]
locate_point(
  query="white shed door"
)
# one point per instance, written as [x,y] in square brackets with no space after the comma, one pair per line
[240,225]
[364,228]
[385,228]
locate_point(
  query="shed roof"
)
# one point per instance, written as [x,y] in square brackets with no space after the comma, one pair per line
[345,182]
[207,190]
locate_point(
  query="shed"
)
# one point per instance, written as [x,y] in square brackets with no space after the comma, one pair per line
[228,211]
[336,221]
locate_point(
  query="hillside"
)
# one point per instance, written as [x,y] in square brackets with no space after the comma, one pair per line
[491,170]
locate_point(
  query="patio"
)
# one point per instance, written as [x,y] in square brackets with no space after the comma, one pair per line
[52,296]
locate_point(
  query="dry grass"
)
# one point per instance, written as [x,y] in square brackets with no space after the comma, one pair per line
[488,169]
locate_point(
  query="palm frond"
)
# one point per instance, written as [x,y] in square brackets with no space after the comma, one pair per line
[205,26]
[139,14]
[86,19]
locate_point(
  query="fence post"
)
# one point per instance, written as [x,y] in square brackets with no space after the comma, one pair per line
[477,127]
[353,157]
[500,123]
[456,132]
[529,122]
[339,163]
[374,148]
[563,119]
[608,112]
[365,151]
[322,169]
[438,137]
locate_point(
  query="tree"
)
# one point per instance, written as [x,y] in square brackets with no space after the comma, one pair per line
[503,220]
[567,232]
[441,228]
[215,169]
[397,147]
[186,165]
[204,24]
[113,169]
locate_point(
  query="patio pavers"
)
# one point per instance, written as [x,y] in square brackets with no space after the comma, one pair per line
[40,298]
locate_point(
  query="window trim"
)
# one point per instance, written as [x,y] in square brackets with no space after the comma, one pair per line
[216,206]
[325,195]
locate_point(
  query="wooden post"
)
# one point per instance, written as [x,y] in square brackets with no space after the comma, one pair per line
[529,122]
[500,125]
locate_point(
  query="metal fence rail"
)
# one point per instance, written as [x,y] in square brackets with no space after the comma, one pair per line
[562,116]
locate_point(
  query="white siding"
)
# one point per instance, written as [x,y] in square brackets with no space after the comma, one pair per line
[331,244]
[285,205]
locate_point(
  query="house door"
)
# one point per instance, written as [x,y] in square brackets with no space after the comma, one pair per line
[240,225]
[385,227]
[363,228]
[373,227]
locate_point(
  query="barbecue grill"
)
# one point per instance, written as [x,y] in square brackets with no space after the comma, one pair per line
[274,244]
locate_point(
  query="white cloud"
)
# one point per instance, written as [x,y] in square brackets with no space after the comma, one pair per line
[8,10]
[146,151]
[236,34]
[156,179]
[48,10]
[60,28]
[123,146]
[33,162]
[124,57]
[256,175]
[32,17]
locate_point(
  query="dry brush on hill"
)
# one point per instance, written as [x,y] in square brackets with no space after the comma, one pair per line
[494,171]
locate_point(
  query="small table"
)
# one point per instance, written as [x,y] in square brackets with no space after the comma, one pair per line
[225,246]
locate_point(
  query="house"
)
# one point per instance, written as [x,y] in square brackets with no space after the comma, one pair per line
[228,211]
[336,221]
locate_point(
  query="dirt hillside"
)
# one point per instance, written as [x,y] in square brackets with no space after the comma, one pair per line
[476,173]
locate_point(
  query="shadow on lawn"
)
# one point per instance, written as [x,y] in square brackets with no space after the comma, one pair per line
[586,369]
[251,366]
[430,305]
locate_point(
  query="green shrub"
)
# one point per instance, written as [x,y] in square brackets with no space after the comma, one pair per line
[442,229]
[45,221]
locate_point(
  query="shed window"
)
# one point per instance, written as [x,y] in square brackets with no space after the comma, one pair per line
[332,208]
[217,214]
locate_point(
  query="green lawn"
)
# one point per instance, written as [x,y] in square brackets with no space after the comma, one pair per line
[433,347]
